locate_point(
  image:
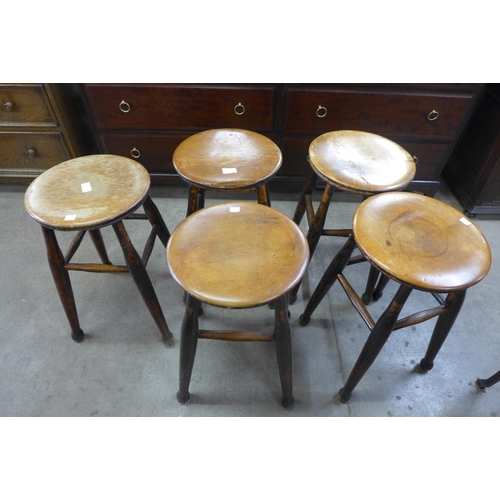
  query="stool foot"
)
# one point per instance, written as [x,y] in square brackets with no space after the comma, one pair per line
[183,397]
[287,403]
[343,397]
[168,340]
[426,365]
[367,299]
[303,321]
[292,298]
[77,336]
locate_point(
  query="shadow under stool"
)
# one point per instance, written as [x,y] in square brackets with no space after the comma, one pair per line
[86,194]
[420,243]
[235,256]
[355,162]
[226,160]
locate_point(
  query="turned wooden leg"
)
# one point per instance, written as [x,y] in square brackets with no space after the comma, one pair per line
[189,342]
[336,267]
[482,383]
[155,218]
[373,275]
[315,230]
[196,199]
[376,340]
[62,281]
[142,281]
[263,195]
[307,190]
[444,323]
[284,350]
[96,236]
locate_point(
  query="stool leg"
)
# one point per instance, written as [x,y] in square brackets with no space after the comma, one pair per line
[263,195]
[192,200]
[315,230]
[142,281]
[444,323]
[189,341]
[482,383]
[96,236]
[62,281]
[155,218]
[284,350]
[308,189]
[376,340]
[373,275]
[337,265]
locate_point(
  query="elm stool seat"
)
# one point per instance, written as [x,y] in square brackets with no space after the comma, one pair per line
[237,255]
[226,160]
[355,162]
[422,244]
[84,195]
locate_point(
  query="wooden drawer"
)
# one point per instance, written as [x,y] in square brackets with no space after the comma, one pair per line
[429,157]
[153,150]
[171,107]
[31,151]
[382,112]
[25,105]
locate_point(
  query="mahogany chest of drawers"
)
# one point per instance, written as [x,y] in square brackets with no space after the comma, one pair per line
[148,121]
[41,125]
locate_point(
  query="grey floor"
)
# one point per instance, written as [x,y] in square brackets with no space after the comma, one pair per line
[122,368]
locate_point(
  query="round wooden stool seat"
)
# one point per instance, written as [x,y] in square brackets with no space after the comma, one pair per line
[421,242]
[237,255]
[84,195]
[227,159]
[361,162]
[87,192]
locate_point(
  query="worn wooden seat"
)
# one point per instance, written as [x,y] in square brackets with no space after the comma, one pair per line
[421,243]
[237,255]
[87,194]
[226,160]
[352,161]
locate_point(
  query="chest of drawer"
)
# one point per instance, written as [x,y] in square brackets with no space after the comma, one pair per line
[171,107]
[25,105]
[153,150]
[385,113]
[31,151]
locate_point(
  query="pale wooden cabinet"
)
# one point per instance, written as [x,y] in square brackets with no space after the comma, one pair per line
[41,125]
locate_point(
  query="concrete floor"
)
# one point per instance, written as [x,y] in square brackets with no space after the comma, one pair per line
[122,368]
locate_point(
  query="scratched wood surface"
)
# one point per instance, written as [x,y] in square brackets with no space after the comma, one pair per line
[87,192]
[237,255]
[421,241]
[203,159]
[361,162]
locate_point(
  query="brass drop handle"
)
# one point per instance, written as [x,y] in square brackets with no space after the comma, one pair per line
[30,153]
[432,115]
[239,109]
[7,106]
[124,106]
[321,112]
[135,153]
[415,159]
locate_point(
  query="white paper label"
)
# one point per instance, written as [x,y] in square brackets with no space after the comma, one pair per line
[86,187]
[70,217]
[231,170]
[463,220]
[234,209]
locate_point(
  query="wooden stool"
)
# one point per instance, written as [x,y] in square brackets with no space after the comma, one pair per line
[226,160]
[86,194]
[422,244]
[237,255]
[355,162]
